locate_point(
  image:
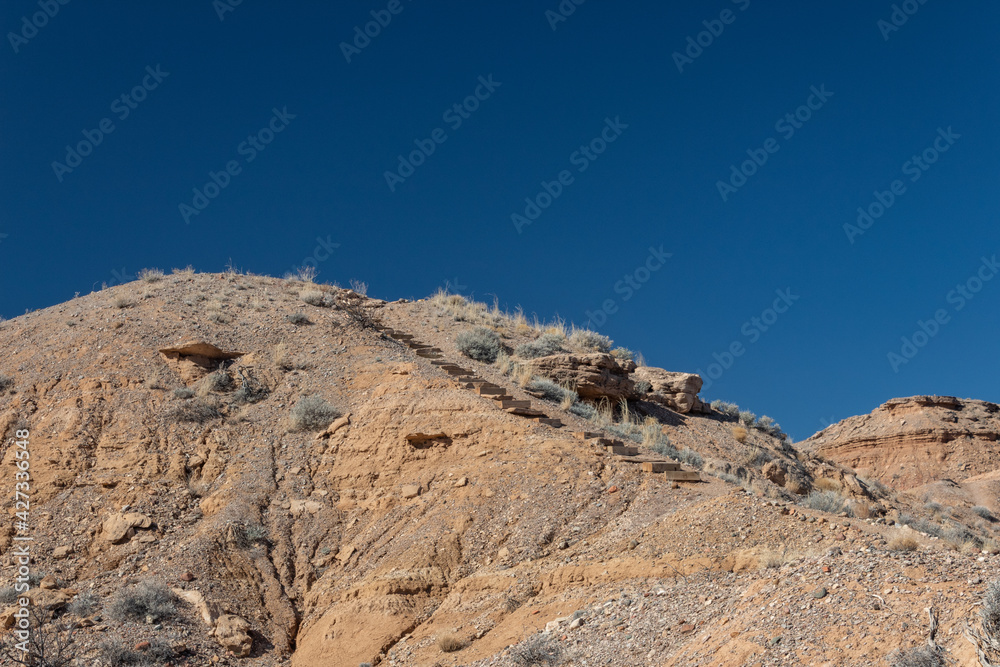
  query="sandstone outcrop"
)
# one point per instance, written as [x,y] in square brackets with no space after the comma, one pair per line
[907,442]
[595,375]
[677,391]
[195,359]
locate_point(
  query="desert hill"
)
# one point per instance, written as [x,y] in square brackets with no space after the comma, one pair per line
[907,442]
[235,469]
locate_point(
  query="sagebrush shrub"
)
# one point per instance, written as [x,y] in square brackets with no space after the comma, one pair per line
[196,412]
[748,418]
[918,656]
[726,409]
[144,599]
[313,297]
[298,319]
[183,392]
[549,390]
[312,413]
[150,275]
[825,501]
[989,613]
[623,353]
[590,341]
[543,346]
[984,512]
[585,410]
[481,344]
[643,387]
[116,654]
[539,649]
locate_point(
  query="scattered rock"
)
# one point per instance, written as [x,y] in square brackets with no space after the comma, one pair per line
[232,633]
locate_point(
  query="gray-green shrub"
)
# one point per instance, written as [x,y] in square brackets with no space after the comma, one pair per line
[542,346]
[481,344]
[144,599]
[312,413]
[549,390]
[590,341]
[825,501]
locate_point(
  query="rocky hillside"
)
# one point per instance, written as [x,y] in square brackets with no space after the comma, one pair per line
[909,442]
[233,469]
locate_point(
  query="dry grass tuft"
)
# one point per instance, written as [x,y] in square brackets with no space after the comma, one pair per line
[450,643]
[827,484]
[902,542]
[740,433]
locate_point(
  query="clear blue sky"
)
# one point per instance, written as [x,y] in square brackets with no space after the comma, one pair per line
[337,127]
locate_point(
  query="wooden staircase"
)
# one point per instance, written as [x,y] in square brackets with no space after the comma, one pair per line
[670,470]
[469,380]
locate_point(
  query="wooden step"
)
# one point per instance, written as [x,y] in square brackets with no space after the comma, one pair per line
[514,404]
[452,367]
[660,466]
[621,450]
[440,362]
[526,412]
[585,435]
[681,476]
[483,390]
[549,422]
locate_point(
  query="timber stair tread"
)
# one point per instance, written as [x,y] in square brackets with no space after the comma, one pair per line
[468,378]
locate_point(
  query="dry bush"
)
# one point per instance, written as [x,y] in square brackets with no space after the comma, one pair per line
[859,510]
[217,381]
[543,346]
[150,275]
[194,411]
[740,433]
[586,340]
[121,301]
[282,357]
[313,297]
[146,599]
[312,413]
[297,319]
[771,559]
[825,501]
[827,484]
[6,382]
[539,649]
[186,271]
[450,643]
[919,656]
[480,344]
[902,542]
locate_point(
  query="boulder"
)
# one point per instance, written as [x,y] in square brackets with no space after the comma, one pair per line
[232,633]
[118,528]
[195,359]
[209,611]
[594,375]
[677,391]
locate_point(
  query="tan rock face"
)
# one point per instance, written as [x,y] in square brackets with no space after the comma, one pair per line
[232,633]
[119,528]
[677,391]
[195,359]
[594,375]
[908,442]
